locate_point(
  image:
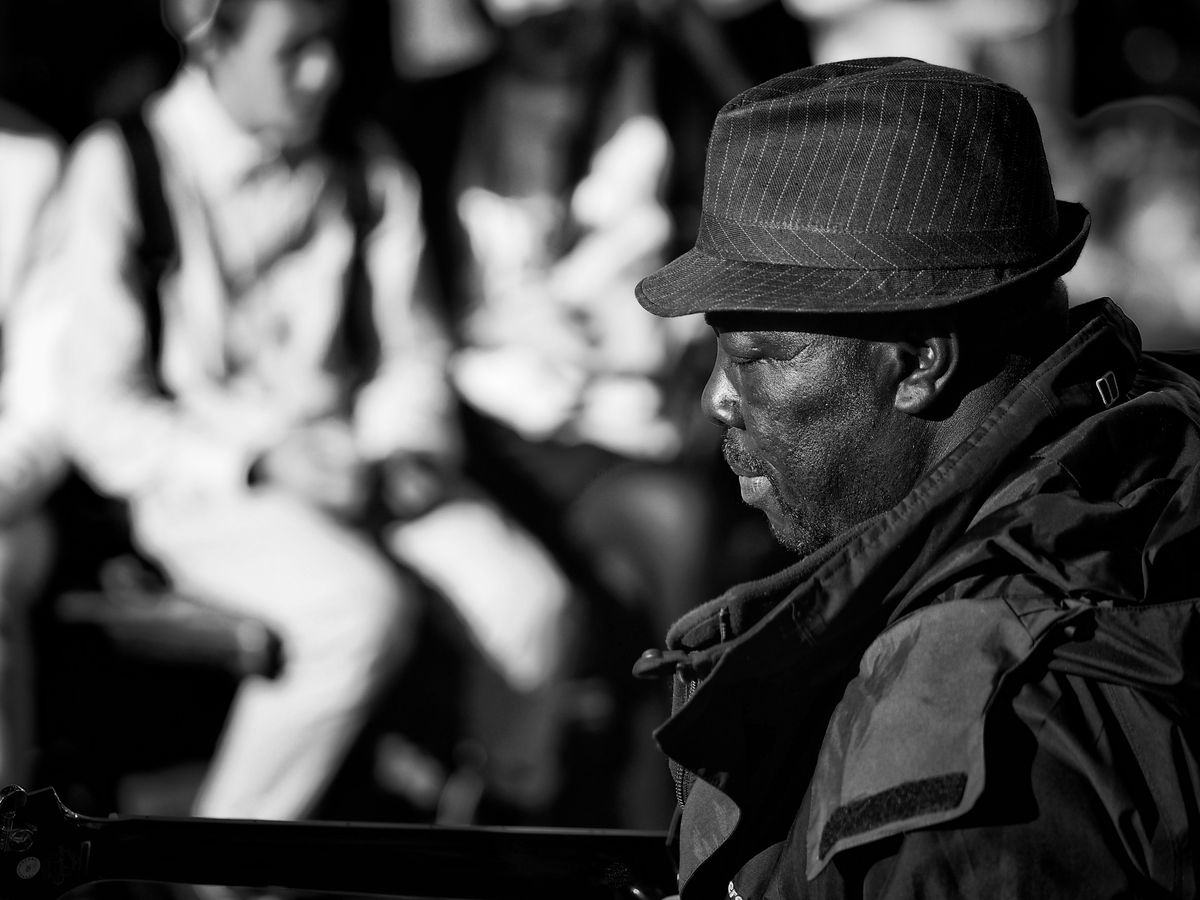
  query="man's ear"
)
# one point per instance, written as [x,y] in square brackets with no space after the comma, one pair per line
[927,368]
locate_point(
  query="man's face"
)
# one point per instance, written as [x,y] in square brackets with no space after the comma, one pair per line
[277,74]
[811,429]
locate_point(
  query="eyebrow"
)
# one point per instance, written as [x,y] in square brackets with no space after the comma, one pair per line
[761,322]
[758,321]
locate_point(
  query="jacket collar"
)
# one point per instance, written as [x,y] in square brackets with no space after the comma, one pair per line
[219,154]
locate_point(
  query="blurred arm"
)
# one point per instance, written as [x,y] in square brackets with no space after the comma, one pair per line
[31,460]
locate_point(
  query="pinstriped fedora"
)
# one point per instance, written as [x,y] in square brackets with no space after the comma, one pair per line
[874,185]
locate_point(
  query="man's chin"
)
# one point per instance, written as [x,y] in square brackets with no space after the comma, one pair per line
[790,542]
[790,534]
[296,135]
[786,524]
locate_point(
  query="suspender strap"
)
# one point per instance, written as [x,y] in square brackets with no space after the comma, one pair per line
[360,335]
[157,249]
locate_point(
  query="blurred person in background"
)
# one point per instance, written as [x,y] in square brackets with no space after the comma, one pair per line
[566,387]
[1137,163]
[961,33]
[547,133]
[32,462]
[1025,43]
[277,377]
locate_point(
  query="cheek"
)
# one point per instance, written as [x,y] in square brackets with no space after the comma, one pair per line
[786,435]
[250,86]
[769,430]
[814,445]
[806,466]
[277,81]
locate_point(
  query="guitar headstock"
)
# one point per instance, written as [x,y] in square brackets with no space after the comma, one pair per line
[43,853]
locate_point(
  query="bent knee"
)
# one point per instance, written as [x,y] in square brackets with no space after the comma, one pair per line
[371,618]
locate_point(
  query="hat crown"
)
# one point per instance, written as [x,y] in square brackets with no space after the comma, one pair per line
[887,163]
[871,186]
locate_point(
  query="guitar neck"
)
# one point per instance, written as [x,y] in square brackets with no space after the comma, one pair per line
[400,860]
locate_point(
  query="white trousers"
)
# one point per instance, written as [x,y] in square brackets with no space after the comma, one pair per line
[346,617]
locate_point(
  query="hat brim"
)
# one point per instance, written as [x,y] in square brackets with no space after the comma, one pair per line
[698,282]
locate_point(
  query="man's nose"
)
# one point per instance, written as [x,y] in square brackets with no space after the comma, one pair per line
[720,400]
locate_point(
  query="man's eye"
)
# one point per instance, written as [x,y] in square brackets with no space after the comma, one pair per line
[741,361]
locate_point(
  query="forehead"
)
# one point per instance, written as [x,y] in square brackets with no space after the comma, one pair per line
[760,321]
[768,329]
[278,22]
[859,327]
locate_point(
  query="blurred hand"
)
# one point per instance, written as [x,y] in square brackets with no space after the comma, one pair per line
[320,463]
[413,484]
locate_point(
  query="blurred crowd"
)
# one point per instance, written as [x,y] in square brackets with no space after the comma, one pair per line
[321,312]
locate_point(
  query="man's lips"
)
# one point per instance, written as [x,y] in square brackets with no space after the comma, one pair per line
[741,462]
[742,471]
[754,488]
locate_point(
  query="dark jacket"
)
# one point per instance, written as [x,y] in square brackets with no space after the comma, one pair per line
[990,690]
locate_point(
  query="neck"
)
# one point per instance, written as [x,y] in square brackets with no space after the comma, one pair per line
[970,412]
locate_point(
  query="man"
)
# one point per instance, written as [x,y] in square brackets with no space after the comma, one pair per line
[977,679]
[295,365]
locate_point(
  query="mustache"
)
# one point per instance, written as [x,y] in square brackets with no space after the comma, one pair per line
[737,458]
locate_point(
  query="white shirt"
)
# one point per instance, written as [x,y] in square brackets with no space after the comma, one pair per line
[251,316]
[555,345]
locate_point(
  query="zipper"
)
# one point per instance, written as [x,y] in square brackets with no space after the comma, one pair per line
[681,776]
